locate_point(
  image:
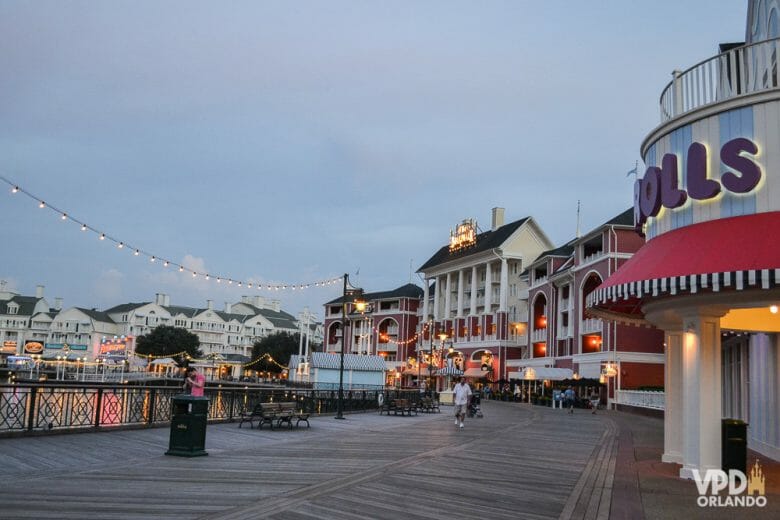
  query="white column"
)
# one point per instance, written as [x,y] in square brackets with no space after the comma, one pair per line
[702,398]
[426,295]
[460,292]
[488,288]
[474,285]
[448,297]
[673,420]
[504,287]
[436,298]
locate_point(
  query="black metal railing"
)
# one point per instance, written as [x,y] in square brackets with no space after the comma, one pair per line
[34,408]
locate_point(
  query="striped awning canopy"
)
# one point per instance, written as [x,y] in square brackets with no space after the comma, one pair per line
[327,360]
[449,371]
[728,254]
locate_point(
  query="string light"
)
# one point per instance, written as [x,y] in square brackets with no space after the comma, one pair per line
[137,252]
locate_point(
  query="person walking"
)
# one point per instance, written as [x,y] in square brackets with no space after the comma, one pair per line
[195,382]
[462,394]
[569,395]
[594,401]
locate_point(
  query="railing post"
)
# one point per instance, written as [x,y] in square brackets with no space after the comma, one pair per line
[98,406]
[152,405]
[677,93]
[31,414]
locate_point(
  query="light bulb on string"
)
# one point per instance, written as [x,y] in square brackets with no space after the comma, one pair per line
[83,227]
[152,259]
[42,204]
[120,245]
[137,252]
[165,264]
[15,189]
[64,216]
[181,269]
[207,277]
[102,236]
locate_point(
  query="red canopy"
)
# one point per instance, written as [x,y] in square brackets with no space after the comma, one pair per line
[725,254]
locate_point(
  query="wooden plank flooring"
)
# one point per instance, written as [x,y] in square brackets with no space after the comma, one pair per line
[519,461]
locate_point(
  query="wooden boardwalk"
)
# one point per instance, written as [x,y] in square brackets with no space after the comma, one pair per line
[519,461]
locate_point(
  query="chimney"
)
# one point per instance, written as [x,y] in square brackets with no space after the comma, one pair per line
[210,305]
[498,219]
[167,300]
[246,299]
[228,307]
[58,304]
[39,291]
[159,299]
[259,302]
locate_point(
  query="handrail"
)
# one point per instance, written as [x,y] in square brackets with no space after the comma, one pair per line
[737,72]
[34,408]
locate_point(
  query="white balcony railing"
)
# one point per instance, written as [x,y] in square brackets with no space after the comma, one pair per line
[538,335]
[591,326]
[737,72]
[565,332]
[641,399]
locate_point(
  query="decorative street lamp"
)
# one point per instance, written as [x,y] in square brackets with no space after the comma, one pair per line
[348,291]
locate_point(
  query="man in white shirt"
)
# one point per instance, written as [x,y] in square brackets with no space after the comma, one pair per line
[462,395]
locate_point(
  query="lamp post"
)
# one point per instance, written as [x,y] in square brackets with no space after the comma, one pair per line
[348,291]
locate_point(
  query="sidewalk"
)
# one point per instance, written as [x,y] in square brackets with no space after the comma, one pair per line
[647,488]
[519,461]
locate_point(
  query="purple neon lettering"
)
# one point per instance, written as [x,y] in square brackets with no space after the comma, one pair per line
[699,186]
[650,192]
[671,196]
[750,172]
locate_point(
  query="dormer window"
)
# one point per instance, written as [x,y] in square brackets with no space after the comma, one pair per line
[13,308]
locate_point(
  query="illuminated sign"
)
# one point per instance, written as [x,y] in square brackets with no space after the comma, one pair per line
[9,347]
[65,346]
[113,346]
[465,235]
[660,186]
[33,347]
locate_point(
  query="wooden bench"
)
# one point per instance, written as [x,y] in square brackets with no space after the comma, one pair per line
[251,415]
[286,412]
[403,406]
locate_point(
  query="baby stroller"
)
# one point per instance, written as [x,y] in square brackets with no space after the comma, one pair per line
[474,408]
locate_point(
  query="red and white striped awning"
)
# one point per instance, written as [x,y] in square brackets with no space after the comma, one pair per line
[729,254]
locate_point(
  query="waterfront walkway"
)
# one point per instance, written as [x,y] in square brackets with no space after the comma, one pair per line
[519,461]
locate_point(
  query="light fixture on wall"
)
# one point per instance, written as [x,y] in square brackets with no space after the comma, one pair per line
[773,309]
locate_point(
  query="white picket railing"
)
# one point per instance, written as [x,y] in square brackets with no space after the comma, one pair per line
[736,72]
[641,399]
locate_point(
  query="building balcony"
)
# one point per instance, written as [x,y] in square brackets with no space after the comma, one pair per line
[591,326]
[538,335]
[737,72]
[565,332]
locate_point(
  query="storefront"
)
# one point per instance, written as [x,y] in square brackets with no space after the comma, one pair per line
[709,206]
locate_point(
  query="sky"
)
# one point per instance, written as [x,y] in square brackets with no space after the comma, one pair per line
[292,142]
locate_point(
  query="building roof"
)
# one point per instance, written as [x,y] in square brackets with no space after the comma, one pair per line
[331,361]
[485,242]
[96,315]
[26,305]
[187,311]
[624,219]
[405,291]
[125,307]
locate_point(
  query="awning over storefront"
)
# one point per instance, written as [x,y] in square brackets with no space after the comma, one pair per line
[475,372]
[542,373]
[728,254]
[450,371]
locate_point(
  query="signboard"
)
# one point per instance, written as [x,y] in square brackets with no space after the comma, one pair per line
[8,347]
[33,347]
[465,235]
[665,187]
[113,347]
[66,346]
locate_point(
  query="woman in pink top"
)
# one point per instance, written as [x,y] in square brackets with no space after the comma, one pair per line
[195,382]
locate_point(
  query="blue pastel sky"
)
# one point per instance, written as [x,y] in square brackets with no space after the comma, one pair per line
[289,142]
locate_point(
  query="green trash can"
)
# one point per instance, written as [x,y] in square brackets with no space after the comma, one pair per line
[734,445]
[188,426]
